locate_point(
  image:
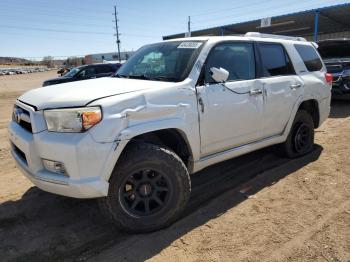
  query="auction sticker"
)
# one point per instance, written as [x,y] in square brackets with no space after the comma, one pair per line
[189,44]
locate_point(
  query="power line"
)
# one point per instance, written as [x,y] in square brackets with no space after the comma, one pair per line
[71,31]
[76,15]
[90,25]
[256,3]
[243,14]
[237,7]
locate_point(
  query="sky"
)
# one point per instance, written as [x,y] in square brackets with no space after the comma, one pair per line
[62,28]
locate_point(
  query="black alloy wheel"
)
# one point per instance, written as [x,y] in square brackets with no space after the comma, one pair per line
[302,138]
[145,192]
[148,189]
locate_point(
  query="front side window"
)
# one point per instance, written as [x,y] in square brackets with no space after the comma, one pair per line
[167,61]
[72,72]
[237,58]
[87,72]
[310,57]
[275,61]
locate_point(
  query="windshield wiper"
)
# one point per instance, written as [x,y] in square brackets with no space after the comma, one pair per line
[138,77]
[164,78]
[145,77]
[119,76]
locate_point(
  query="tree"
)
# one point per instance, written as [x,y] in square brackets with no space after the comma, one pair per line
[48,61]
[74,61]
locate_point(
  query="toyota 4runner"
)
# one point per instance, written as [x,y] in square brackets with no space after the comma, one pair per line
[174,108]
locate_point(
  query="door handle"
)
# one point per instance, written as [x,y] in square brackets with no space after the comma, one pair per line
[256,92]
[295,86]
[200,102]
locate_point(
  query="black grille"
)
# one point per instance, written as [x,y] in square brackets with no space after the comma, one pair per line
[18,114]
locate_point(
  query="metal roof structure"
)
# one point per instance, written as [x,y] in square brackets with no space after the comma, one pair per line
[314,24]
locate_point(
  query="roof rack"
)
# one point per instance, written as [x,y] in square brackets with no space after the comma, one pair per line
[257,34]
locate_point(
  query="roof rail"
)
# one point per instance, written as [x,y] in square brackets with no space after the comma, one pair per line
[257,34]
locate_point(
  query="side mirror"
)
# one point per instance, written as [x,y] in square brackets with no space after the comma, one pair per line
[219,74]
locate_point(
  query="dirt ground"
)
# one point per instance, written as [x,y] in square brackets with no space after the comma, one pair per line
[253,208]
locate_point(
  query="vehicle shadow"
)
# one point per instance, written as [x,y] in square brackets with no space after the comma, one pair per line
[42,226]
[340,109]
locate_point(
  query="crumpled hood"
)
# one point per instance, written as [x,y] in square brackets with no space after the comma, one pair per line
[82,92]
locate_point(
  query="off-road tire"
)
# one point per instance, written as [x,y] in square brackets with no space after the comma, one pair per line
[291,148]
[147,156]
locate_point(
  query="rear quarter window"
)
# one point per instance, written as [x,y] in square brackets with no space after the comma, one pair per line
[310,57]
[104,69]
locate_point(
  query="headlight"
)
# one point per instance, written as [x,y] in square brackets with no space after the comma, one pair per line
[72,119]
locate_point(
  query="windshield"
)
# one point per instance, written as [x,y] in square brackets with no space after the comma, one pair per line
[336,49]
[73,72]
[167,61]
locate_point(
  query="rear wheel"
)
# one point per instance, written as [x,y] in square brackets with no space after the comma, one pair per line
[148,189]
[300,140]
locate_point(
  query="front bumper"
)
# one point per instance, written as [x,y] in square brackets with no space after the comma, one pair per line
[84,160]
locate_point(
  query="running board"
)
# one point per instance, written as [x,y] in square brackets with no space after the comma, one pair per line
[236,151]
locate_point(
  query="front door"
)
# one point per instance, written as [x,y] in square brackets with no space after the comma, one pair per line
[230,113]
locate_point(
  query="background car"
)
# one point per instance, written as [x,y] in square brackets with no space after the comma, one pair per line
[336,56]
[85,72]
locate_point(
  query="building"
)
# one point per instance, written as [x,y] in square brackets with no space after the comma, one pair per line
[100,58]
[316,24]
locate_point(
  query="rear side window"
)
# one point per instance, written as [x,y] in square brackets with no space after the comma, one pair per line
[310,57]
[274,60]
[104,69]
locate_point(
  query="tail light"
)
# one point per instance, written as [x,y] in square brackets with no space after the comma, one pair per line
[329,78]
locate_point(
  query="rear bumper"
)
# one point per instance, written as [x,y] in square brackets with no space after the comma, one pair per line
[84,160]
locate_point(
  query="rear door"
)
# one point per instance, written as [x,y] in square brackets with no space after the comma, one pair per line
[281,86]
[104,70]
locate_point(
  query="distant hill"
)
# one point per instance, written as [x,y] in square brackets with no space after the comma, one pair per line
[15,61]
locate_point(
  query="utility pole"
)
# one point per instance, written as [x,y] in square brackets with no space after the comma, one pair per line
[189,26]
[117,31]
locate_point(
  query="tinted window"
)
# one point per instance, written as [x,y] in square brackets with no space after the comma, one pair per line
[274,60]
[237,58]
[104,69]
[88,71]
[309,55]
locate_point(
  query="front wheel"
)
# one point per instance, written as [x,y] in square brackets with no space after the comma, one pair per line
[148,190]
[300,140]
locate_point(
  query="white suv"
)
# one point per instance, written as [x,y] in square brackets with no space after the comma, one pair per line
[174,108]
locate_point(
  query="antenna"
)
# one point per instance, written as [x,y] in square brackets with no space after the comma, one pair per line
[189,26]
